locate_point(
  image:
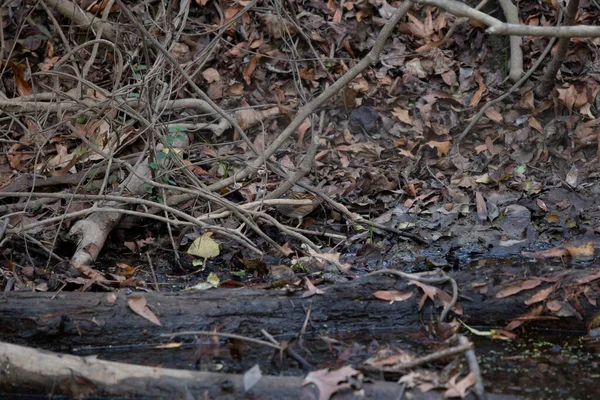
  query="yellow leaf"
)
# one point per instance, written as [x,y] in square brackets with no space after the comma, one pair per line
[204,247]
[213,279]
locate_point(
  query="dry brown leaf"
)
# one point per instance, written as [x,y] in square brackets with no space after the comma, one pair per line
[493,114]
[211,75]
[250,117]
[568,96]
[535,124]
[459,389]
[581,252]
[311,289]
[438,296]
[442,147]
[514,289]
[479,92]
[589,278]
[302,130]
[249,69]
[330,382]
[392,295]
[550,253]
[139,306]
[540,296]
[23,88]
[481,205]
[402,115]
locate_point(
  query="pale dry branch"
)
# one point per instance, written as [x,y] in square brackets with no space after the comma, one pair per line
[511,13]
[232,234]
[82,18]
[497,27]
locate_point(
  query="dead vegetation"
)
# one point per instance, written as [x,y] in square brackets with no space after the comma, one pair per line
[291,143]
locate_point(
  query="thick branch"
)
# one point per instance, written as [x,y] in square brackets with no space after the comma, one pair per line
[516,54]
[498,27]
[82,18]
[549,77]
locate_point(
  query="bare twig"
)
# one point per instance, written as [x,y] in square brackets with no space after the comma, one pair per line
[438,355]
[84,19]
[473,367]
[221,334]
[155,281]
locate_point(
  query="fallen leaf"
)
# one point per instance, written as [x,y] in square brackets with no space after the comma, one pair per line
[329,382]
[540,296]
[442,147]
[311,289]
[581,252]
[438,296]
[302,130]
[251,377]
[459,389]
[139,306]
[211,75]
[514,289]
[392,295]
[249,69]
[550,253]
[204,246]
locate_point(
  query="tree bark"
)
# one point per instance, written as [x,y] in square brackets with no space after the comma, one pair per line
[75,319]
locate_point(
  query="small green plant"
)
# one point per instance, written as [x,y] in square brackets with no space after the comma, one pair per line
[138,71]
[226,168]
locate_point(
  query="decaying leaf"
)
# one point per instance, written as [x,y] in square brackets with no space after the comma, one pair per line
[392,295]
[514,289]
[139,305]
[330,382]
[439,297]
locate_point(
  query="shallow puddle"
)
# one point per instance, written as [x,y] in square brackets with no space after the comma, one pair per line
[539,365]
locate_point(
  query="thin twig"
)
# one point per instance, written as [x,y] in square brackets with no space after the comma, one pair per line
[220,334]
[478,388]
[438,355]
[153,273]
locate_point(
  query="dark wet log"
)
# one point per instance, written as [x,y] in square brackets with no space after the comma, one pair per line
[76,319]
[31,371]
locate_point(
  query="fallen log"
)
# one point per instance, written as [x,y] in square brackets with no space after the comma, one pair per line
[31,371]
[78,319]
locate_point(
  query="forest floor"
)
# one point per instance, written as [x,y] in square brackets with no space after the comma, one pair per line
[173,147]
